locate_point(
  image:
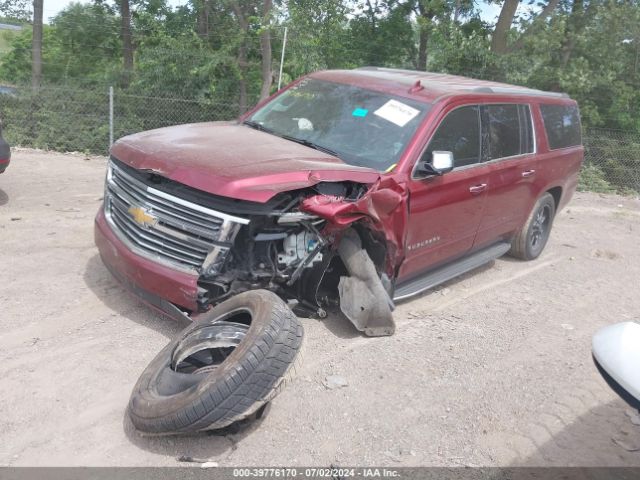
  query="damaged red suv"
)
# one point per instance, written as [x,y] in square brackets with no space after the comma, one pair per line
[348,190]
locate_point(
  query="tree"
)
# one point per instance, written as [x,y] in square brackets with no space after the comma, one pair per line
[202,24]
[426,10]
[320,36]
[574,26]
[428,14]
[36,45]
[505,19]
[127,42]
[217,54]
[15,10]
[265,50]
[536,22]
[241,12]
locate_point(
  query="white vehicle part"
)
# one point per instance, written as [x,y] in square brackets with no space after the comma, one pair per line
[296,217]
[617,349]
[304,124]
[296,248]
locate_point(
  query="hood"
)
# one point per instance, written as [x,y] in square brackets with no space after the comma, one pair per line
[234,160]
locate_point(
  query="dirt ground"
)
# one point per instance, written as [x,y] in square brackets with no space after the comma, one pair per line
[492,369]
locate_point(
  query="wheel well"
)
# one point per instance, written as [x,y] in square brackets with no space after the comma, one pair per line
[556,193]
[375,245]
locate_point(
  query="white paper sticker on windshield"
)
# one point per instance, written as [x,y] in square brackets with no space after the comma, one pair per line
[397,112]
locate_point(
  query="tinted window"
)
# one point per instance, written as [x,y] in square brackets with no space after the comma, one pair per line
[510,131]
[562,124]
[459,133]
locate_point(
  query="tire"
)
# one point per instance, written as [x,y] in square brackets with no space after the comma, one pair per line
[221,369]
[532,237]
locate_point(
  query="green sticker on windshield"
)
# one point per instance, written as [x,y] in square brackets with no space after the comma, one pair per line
[360,112]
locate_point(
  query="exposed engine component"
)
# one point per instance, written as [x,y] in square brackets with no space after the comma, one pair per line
[295,217]
[288,250]
[297,247]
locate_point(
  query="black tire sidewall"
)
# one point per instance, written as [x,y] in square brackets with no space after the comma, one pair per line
[149,406]
[544,202]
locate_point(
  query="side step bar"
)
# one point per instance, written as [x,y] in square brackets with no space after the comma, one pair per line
[447,272]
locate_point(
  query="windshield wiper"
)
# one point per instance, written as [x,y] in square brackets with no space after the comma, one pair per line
[310,144]
[301,141]
[257,126]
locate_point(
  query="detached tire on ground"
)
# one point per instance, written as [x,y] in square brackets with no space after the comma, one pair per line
[532,238]
[221,369]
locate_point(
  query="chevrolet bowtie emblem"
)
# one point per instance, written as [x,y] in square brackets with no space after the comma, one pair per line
[142,217]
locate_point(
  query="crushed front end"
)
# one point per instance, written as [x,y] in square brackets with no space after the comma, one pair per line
[183,250]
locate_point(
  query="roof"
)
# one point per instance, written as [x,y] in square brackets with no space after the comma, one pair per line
[431,85]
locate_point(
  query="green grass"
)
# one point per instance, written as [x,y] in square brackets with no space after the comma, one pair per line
[6,37]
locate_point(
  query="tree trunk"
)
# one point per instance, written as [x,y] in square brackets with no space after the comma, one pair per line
[243,63]
[265,50]
[426,14]
[36,45]
[422,49]
[505,19]
[202,26]
[575,24]
[546,11]
[127,42]
[456,11]
[242,83]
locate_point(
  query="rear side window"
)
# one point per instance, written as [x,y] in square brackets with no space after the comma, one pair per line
[459,133]
[562,124]
[510,130]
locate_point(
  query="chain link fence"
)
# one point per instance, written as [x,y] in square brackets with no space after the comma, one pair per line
[72,119]
[78,120]
[611,161]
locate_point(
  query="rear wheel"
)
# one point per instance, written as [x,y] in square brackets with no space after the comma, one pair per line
[532,238]
[221,369]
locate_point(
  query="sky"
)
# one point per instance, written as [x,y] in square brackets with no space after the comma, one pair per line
[53,7]
[488,12]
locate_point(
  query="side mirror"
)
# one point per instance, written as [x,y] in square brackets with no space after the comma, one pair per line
[441,163]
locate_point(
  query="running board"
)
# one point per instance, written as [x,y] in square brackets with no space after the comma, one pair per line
[447,272]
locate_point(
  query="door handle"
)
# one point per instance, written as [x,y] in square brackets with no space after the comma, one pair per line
[476,189]
[528,173]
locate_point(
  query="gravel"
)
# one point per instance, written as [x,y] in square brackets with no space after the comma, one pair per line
[491,369]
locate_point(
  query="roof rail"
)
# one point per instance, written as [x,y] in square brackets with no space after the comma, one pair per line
[496,88]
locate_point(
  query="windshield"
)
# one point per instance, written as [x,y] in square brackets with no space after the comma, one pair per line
[360,126]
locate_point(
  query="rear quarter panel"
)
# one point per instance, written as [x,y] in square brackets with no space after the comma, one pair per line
[559,168]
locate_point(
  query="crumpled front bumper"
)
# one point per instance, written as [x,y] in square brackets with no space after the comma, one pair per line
[160,286]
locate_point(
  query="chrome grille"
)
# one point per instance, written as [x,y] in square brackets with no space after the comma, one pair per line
[165,228]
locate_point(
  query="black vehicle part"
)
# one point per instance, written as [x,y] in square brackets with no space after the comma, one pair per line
[221,369]
[532,237]
[448,271]
[616,387]
[363,298]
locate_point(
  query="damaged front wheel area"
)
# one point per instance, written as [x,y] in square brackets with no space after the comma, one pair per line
[221,369]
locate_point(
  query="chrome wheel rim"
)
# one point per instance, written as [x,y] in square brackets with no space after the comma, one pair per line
[201,351]
[204,349]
